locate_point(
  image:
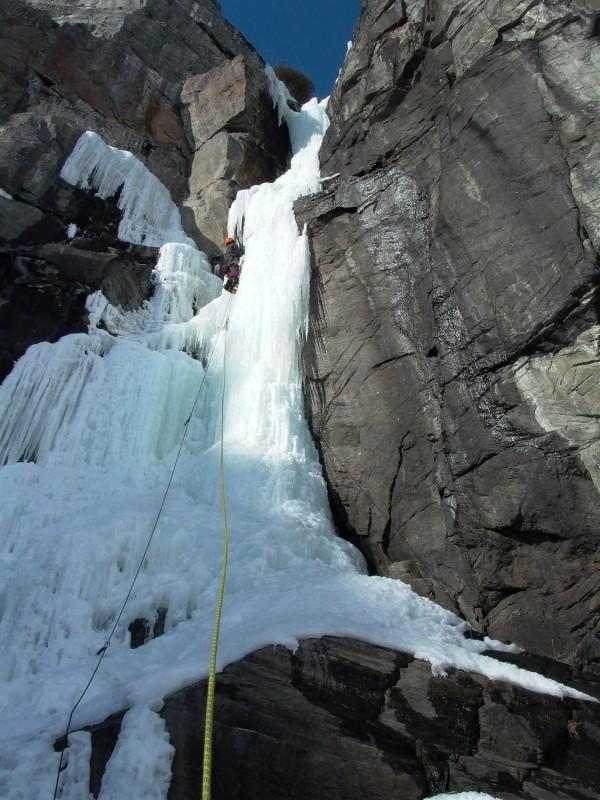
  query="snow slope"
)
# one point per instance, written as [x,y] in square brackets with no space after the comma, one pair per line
[89,429]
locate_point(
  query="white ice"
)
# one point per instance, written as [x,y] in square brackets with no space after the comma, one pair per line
[146,768]
[71,230]
[6,195]
[89,429]
[149,214]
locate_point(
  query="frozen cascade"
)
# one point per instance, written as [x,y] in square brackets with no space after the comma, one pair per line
[149,215]
[89,428]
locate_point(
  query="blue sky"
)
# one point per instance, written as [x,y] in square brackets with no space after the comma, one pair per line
[310,35]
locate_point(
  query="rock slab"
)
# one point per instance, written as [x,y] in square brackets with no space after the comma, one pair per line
[456,253]
[341,718]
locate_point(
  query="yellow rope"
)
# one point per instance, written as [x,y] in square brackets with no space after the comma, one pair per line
[210,691]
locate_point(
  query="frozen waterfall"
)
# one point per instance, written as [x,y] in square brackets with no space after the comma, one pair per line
[89,429]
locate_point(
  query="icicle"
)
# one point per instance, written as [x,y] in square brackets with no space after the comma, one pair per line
[149,215]
[279,93]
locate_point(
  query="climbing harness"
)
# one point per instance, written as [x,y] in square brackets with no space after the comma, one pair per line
[214,645]
[104,649]
[230,284]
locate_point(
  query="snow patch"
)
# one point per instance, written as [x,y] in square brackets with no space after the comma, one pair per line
[28,772]
[72,230]
[6,195]
[74,781]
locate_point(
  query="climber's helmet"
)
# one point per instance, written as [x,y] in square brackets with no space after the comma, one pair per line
[228,240]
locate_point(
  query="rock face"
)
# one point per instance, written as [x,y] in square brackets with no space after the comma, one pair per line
[46,273]
[61,72]
[74,79]
[238,144]
[108,17]
[340,718]
[452,347]
[43,290]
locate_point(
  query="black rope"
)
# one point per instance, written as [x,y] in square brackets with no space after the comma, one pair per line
[104,649]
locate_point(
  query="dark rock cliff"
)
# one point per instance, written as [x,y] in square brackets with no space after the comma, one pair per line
[343,719]
[452,360]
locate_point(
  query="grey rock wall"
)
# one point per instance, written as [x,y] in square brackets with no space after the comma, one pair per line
[564,390]
[454,258]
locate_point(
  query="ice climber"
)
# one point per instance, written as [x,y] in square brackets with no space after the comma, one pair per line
[231,264]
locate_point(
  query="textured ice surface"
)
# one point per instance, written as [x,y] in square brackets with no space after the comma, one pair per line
[89,428]
[149,215]
[135,771]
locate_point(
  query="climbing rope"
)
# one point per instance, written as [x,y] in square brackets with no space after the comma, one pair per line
[214,645]
[103,650]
